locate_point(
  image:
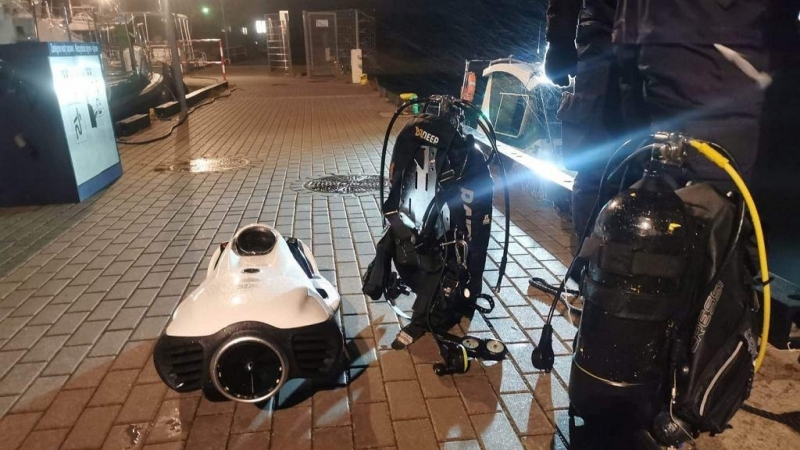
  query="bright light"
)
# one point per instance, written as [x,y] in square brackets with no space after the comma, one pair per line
[244,30]
[261,26]
[205,10]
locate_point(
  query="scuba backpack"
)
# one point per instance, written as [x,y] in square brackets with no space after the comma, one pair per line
[668,336]
[439,216]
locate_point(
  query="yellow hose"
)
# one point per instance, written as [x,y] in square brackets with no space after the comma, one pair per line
[720,160]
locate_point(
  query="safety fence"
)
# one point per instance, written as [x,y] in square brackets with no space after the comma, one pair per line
[331,35]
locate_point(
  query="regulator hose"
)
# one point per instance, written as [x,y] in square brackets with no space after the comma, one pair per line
[724,163]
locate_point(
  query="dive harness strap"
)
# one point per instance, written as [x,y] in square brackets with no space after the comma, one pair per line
[627,260]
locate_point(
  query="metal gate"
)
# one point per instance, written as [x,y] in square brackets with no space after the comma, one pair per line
[321,43]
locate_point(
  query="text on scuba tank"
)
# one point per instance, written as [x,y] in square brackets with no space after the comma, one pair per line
[467,196]
[425,136]
[706,314]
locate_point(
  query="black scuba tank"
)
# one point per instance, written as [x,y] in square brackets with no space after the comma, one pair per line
[635,286]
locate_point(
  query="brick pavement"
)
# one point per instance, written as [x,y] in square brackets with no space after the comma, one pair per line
[86,289]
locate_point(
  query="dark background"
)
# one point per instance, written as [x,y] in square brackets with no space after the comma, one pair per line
[422,45]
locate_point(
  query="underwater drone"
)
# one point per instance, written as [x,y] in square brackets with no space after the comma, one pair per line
[263,315]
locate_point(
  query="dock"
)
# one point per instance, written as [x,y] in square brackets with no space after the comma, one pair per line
[86,289]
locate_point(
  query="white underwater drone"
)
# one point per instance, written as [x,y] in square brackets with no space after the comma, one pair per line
[263,315]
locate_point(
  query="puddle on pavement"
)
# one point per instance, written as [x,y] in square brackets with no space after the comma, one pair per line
[203,165]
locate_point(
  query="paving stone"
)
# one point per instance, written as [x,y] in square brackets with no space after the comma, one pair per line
[136,274]
[10,326]
[385,335]
[396,365]
[26,337]
[526,316]
[114,388]
[110,343]
[477,394]
[495,431]
[150,328]
[142,297]
[527,415]
[92,427]
[249,441]
[16,298]
[543,442]
[49,315]
[40,394]
[163,306]
[354,304]
[87,333]
[367,386]
[45,349]
[68,295]
[425,351]
[415,435]
[405,400]
[174,287]
[340,438]
[106,310]
[209,432]
[142,403]
[85,277]
[127,319]
[14,428]
[357,326]
[17,380]
[291,429]
[209,408]
[174,420]
[504,376]
[127,437]
[362,352]
[32,306]
[372,425]
[450,419]
[134,355]
[251,418]
[381,313]
[434,386]
[461,445]
[548,391]
[67,323]
[6,403]
[122,291]
[86,302]
[90,372]
[148,373]
[331,408]
[63,412]
[45,439]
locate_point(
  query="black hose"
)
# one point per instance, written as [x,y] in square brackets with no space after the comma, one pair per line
[595,210]
[180,122]
[488,130]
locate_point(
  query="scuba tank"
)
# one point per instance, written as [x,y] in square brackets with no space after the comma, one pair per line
[667,346]
[636,285]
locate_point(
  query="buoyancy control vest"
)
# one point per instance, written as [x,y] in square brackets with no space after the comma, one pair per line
[439,215]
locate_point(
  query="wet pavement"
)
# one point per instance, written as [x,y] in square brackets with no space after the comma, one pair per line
[86,289]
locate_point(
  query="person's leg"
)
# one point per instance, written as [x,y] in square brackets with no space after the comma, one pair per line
[590,125]
[696,91]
